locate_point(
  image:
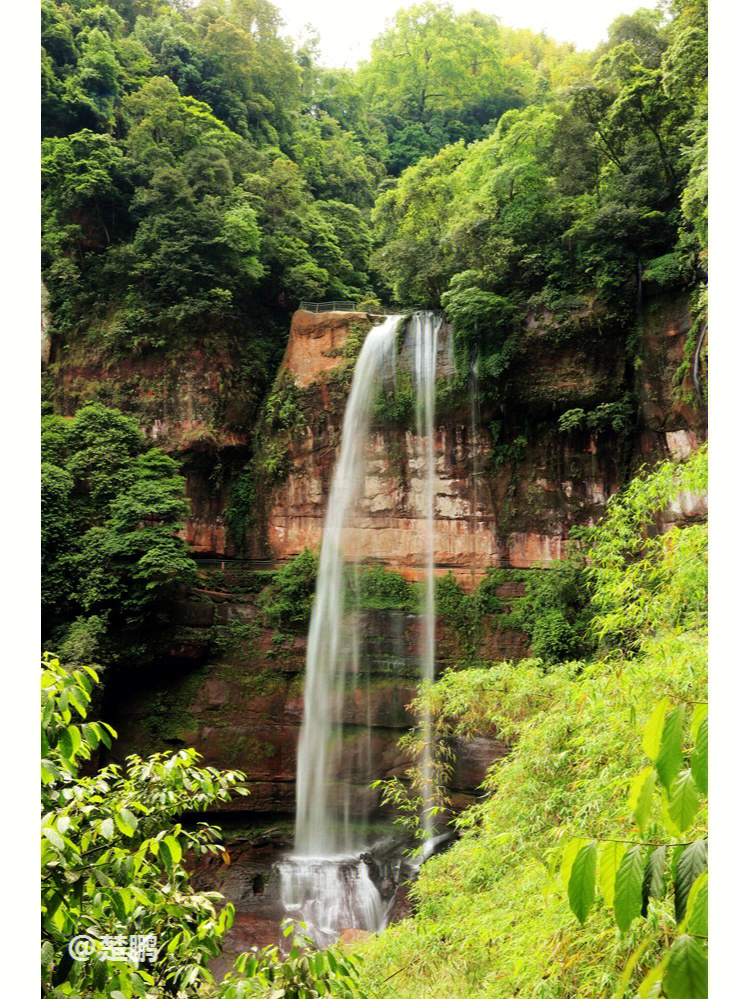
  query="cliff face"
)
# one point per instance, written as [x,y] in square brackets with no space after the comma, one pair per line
[507,496]
[232,689]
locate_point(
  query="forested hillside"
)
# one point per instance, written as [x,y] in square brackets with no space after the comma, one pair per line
[199,171]
[202,175]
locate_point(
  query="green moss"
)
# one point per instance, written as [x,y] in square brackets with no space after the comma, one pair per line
[283,422]
[377,588]
[168,716]
[239,515]
[229,637]
[287,600]
[469,614]
[396,407]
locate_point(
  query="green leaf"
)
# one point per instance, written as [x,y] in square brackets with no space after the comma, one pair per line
[165,854]
[609,861]
[569,855]
[652,730]
[89,734]
[699,713]
[670,757]
[683,801]
[653,877]
[107,828]
[75,738]
[54,837]
[641,796]
[687,969]
[76,699]
[692,864]
[174,848]
[696,910]
[582,882]
[628,887]
[126,822]
[650,987]
[65,744]
[699,759]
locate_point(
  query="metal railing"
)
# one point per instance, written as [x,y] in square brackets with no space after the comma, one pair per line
[328,306]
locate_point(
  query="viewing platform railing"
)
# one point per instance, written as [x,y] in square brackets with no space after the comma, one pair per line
[343,307]
[328,306]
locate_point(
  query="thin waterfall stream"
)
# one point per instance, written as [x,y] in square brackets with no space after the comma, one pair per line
[330,881]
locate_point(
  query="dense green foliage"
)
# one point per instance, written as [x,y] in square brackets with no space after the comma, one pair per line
[111,507]
[188,176]
[493,913]
[596,185]
[200,172]
[114,872]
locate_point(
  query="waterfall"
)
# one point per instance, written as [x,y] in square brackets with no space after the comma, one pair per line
[425,365]
[333,640]
[326,883]
[474,404]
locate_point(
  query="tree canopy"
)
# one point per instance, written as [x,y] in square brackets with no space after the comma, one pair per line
[111,510]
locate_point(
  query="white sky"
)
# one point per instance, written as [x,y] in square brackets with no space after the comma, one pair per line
[346,29]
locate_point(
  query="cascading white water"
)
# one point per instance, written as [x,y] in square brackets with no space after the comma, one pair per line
[333,642]
[425,368]
[474,444]
[328,894]
[324,884]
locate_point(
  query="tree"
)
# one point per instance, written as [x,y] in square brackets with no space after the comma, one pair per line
[112,854]
[118,911]
[111,512]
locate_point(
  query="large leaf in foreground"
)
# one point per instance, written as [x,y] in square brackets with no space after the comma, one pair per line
[628,887]
[582,883]
[687,969]
[691,864]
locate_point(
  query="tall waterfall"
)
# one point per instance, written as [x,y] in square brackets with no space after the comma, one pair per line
[333,639]
[425,364]
[325,882]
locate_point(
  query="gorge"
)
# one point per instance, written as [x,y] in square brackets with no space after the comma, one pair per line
[230,681]
[374,506]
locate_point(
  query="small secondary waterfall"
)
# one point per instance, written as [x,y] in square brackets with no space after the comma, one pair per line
[425,365]
[327,883]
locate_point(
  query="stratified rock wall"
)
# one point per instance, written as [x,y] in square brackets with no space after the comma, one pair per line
[233,691]
[505,497]
[508,505]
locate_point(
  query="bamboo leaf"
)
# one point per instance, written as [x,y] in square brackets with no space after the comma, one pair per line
[652,730]
[641,797]
[683,802]
[687,969]
[628,887]
[629,968]
[582,882]
[609,861]
[691,865]
[670,757]
[699,759]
